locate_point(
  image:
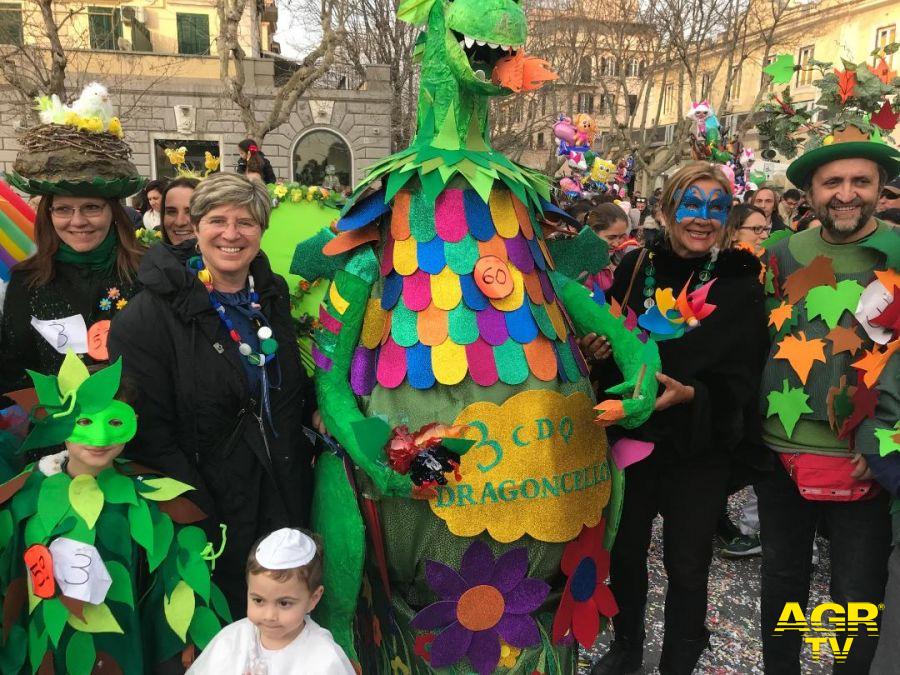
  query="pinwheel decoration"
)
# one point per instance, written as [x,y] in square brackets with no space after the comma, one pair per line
[672,317]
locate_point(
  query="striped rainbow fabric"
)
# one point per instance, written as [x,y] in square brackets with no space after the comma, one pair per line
[16,230]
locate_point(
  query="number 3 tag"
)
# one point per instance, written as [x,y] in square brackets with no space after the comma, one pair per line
[493,278]
[80,571]
[40,566]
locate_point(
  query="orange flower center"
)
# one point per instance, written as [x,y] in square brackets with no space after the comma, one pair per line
[480,608]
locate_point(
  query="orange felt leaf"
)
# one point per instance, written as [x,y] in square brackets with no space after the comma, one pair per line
[611,411]
[889,278]
[780,314]
[844,340]
[801,353]
[846,83]
[850,134]
[874,362]
[349,240]
[819,272]
[522,73]
[883,71]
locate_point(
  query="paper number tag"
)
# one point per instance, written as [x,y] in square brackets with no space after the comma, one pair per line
[873,301]
[63,334]
[493,278]
[80,571]
[39,563]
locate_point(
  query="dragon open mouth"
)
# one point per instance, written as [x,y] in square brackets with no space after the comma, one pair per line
[483,55]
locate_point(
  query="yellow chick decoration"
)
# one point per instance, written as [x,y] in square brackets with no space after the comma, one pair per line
[93,125]
[115,127]
[176,157]
[211,162]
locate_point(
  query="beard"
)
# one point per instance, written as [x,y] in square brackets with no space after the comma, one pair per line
[844,229]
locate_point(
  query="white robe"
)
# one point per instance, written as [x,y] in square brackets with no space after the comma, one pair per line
[231,652]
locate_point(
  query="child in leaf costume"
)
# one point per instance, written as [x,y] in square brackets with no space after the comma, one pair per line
[100,570]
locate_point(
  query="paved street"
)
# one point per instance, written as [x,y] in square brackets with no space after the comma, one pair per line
[733,613]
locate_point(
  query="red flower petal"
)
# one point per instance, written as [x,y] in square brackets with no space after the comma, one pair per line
[585,623]
[563,619]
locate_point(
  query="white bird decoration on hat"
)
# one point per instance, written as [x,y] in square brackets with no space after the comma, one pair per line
[94,102]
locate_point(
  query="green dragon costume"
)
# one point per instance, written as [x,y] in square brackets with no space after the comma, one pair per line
[99,574]
[448,314]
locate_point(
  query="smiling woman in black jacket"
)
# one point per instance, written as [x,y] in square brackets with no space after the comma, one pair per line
[210,344]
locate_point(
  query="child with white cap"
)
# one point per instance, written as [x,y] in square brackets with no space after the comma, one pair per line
[284,575]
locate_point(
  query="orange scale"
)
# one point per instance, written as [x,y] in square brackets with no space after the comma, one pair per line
[524,218]
[541,358]
[432,325]
[533,288]
[556,318]
[400,216]
[493,246]
[547,256]
[386,332]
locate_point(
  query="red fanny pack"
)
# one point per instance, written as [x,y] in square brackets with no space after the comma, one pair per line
[821,478]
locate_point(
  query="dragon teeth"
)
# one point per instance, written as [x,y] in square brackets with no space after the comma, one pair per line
[504,47]
[480,43]
[479,75]
[469,40]
[462,43]
[492,45]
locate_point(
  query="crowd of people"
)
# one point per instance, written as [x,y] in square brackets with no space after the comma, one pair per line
[179,455]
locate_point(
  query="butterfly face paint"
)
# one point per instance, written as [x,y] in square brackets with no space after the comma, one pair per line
[695,203]
[116,424]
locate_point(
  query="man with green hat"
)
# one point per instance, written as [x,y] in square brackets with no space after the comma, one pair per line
[827,394]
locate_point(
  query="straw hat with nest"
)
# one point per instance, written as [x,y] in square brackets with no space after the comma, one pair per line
[76,151]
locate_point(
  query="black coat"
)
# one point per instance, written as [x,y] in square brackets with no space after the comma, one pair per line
[73,290]
[197,419]
[722,358]
[268,173]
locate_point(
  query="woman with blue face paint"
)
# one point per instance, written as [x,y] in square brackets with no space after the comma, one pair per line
[704,307]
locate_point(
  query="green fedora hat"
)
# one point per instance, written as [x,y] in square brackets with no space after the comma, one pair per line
[848,143]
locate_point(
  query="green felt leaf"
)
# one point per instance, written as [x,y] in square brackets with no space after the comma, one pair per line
[163,533]
[886,440]
[99,390]
[53,500]
[46,388]
[179,609]
[79,530]
[460,446]
[781,70]
[115,534]
[80,654]
[404,329]
[195,572]
[372,434]
[24,503]
[447,138]
[37,645]
[830,303]
[204,627]
[97,619]
[55,615]
[71,374]
[164,489]
[414,12]
[116,487]
[220,604]
[141,525]
[35,532]
[433,184]
[483,183]
[121,589]
[843,406]
[462,255]
[789,404]
[51,431]
[192,538]
[512,367]
[6,528]
[395,182]
[474,139]
[886,241]
[462,325]
[86,498]
[12,654]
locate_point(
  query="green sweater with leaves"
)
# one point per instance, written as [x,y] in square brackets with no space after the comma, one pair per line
[160,599]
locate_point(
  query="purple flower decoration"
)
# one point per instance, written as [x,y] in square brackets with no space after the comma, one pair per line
[485,601]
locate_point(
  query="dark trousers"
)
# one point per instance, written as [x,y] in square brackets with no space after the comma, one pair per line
[860,535]
[689,495]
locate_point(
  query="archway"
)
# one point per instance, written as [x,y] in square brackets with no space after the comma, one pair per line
[314,151]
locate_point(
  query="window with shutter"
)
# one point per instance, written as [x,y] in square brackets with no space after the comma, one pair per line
[10,23]
[193,33]
[104,27]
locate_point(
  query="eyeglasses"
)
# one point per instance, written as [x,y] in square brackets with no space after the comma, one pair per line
[758,229]
[86,210]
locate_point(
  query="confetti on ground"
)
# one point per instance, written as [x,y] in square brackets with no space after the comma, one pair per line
[733,615]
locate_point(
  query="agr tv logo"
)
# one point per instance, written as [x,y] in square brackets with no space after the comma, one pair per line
[832,618]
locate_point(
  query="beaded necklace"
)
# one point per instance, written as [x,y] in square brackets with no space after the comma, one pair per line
[650,277]
[267,344]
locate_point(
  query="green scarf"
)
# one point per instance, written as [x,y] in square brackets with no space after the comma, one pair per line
[100,259]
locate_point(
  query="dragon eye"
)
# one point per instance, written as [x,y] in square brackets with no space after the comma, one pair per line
[84,422]
[115,422]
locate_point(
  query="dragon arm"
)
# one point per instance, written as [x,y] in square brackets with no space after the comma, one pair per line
[630,354]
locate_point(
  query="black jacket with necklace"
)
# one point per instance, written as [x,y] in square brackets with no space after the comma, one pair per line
[722,358]
[198,420]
